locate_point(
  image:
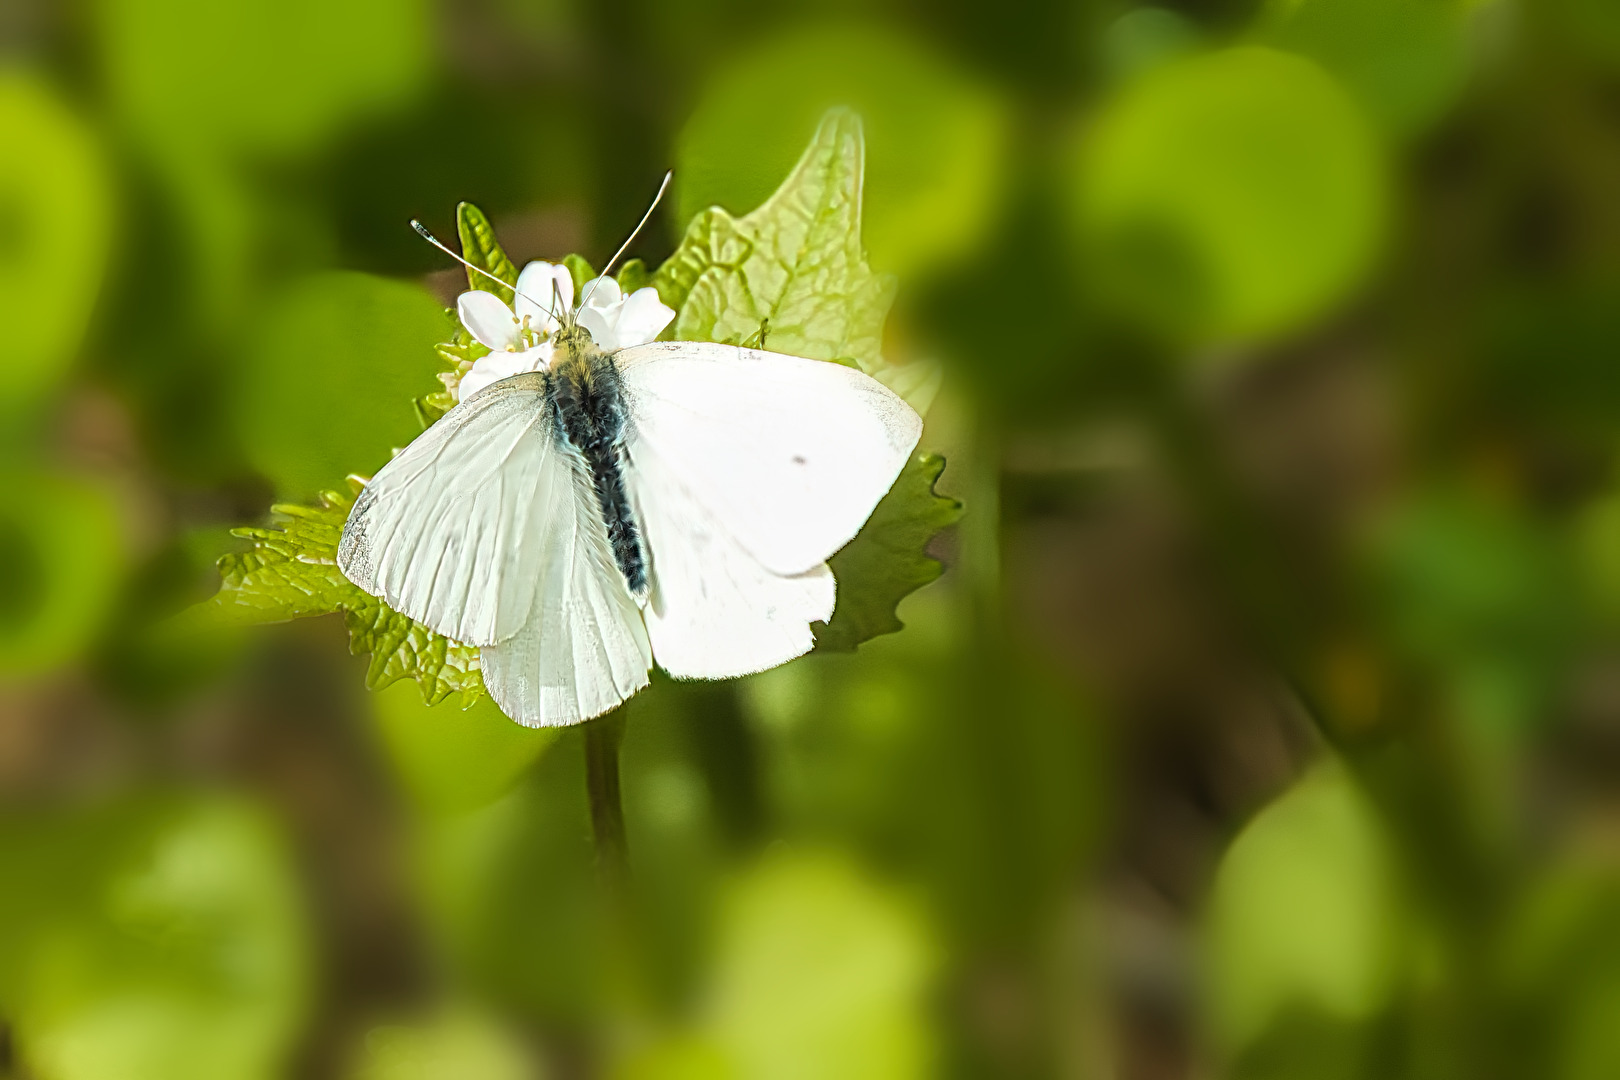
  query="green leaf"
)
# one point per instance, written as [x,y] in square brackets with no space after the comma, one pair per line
[458,763]
[462,352]
[402,648]
[793,271]
[864,963]
[325,387]
[889,560]
[796,261]
[59,544]
[459,355]
[580,268]
[292,573]
[479,247]
[429,407]
[57,218]
[633,275]
[458,1041]
[916,382]
[937,136]
[152,937]
[197,74]
[1230,196]
[1306,912]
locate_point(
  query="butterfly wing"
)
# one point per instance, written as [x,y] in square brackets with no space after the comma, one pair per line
[583,648]
[748,470]
[451,531]
[714,610]
[485,529]
[790,455]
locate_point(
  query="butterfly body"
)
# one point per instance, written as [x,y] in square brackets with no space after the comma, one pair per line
[587,395]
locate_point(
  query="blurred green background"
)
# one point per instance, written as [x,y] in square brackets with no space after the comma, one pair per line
[1265,726]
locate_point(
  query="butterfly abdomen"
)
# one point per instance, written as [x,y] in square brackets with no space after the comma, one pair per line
[591,416]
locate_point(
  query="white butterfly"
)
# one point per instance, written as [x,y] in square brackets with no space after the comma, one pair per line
[672,501]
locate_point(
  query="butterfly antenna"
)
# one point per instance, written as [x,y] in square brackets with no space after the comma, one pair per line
[631,238]
[434,240]
[567,318]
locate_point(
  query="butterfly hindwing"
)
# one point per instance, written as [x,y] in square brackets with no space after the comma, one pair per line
[583,648]
[715,611]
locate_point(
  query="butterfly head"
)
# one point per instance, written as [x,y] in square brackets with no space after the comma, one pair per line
[571,341]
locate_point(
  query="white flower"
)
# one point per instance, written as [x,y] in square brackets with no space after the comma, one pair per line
[519,337]
[617,321]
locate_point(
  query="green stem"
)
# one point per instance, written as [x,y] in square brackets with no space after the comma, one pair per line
[602,737]
[622,956]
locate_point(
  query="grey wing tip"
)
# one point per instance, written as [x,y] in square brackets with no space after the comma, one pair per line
[354,546]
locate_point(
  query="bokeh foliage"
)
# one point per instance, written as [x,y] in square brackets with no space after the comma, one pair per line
[1262,725]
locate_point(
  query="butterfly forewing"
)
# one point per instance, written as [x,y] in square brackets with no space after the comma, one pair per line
[750,469]
[789,455]
[448,532]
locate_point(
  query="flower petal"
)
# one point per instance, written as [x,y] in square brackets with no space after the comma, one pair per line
[488,320]
[545,291]
[600,322]
[540,356]
[603,292]
[642,318]
[491,369]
